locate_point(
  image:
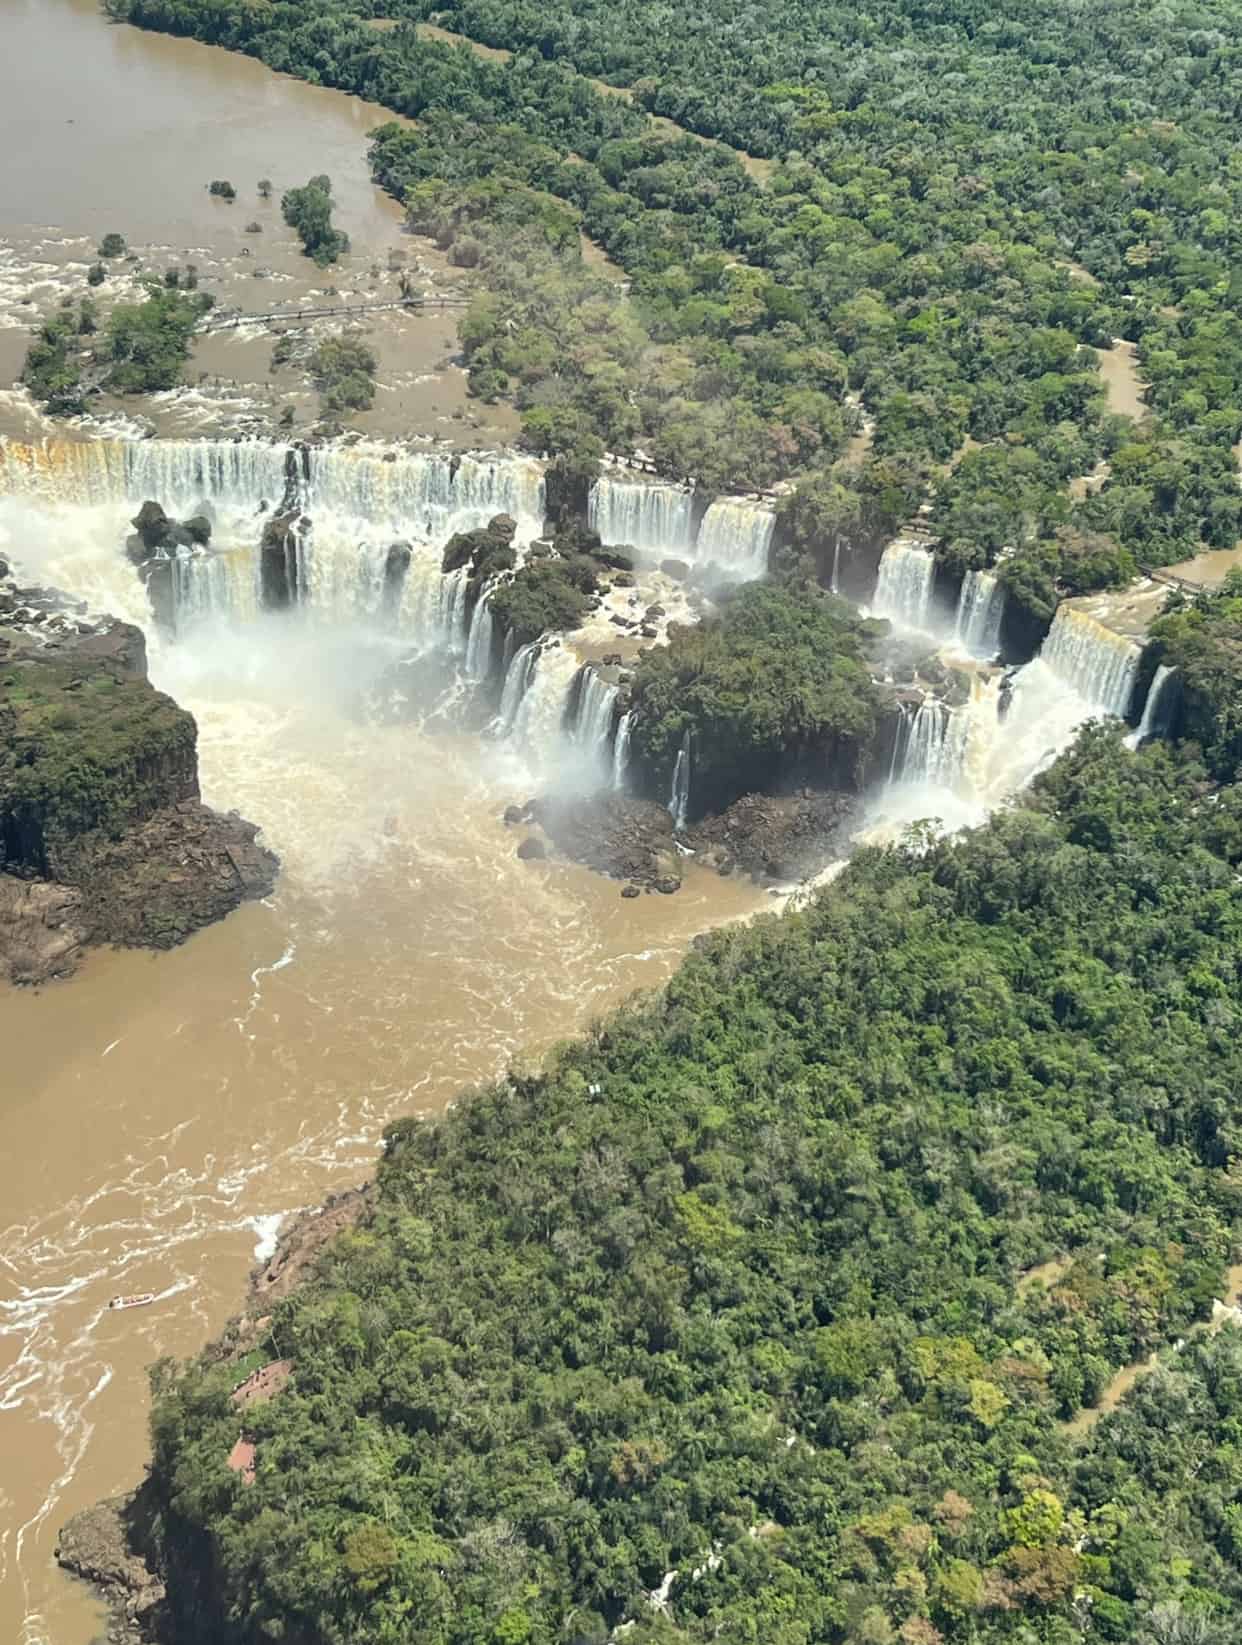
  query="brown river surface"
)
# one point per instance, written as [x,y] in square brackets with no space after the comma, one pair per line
[161,1113]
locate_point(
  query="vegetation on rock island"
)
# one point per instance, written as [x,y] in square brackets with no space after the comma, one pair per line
[780,678]
[142,348]
[545,595]
[308,210]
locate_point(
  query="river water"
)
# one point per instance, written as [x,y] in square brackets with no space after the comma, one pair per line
[161,1113]
[116,129]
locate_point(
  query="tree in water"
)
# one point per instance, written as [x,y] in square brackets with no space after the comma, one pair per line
[309,211]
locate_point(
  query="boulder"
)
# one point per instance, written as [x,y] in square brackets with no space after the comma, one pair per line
[532,849]
[152,525]
[678,570]
[198,528]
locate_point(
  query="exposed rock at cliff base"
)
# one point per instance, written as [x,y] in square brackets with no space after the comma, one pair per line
[103,836]
[615,834]
[777,837]
[101,1545]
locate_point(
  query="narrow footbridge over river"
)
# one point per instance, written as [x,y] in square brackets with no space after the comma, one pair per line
[291,316]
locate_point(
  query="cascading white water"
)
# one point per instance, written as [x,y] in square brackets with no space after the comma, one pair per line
[479,641]
[1160,707]
[433,606]
[537,725]
[594,721]
[932,747]
[358,500]
[903,593]
[735,537]
[431,496]
[653,518]
[679,795]
[834,585]
[1094,660]
[621,750]
[208,584]
[177,473]
[518,676]
[980,610]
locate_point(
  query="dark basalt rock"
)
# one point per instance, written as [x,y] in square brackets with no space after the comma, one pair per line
[777,837]
[532,849]
[616,834]
[678,570]
[103,836]
[278,560]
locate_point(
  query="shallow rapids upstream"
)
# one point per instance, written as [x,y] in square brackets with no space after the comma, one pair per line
[165,1111]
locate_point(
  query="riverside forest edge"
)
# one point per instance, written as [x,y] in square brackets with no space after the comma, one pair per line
[716,1325]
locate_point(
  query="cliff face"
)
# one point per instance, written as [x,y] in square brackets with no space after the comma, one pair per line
[103,837]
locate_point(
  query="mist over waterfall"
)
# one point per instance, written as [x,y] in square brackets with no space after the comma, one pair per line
[621,750]
[903,593]
[538,721]
[931,745]
[735,536]
[592,717]
[1094,660]
[980,611]
[1160,709]
[653,518]
[480,640]
[519,672]
[657,521]
[679,794]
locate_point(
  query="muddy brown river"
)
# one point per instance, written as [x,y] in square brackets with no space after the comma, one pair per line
[161,1113]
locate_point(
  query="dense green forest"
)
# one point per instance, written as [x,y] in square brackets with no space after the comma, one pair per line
[957,210]
[1202,640]
[736,1288]
[779,1307]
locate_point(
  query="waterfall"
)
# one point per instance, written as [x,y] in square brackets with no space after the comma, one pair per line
[358,500]
[835,584]
[1160,708]
[433,606]
[539,716]
[177,473]
[679,795]
[621,750]
[1093,660]
[518,675]
[593,722]
[651,518]
[933,748]
[980,608]
[207,584]
[479,641]
[735,536]
[430,495]
[903,593]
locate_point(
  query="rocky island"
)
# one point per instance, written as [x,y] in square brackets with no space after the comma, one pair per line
[103,835]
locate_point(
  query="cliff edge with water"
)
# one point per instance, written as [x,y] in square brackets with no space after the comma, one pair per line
[103,835]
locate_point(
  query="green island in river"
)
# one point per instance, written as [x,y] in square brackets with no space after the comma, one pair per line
[876,1280]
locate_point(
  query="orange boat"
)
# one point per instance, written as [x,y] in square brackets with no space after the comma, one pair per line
[133,1302]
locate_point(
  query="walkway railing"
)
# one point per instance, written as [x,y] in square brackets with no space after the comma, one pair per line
[230,322]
